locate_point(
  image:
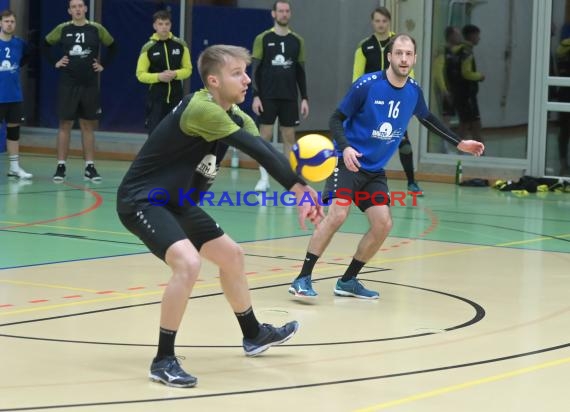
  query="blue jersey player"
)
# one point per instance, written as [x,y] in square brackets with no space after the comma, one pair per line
[13,55]
[368,126]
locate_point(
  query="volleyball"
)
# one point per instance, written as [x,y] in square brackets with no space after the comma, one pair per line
[313,157]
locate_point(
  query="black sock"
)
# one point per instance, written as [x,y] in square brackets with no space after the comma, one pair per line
[248,323]
[165,343]
[352,270]
[308,265]
[407,160]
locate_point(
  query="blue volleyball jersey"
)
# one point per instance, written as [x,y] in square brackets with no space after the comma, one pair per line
[378,115]
[11,53]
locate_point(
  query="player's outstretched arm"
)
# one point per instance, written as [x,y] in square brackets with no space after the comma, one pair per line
[278,167]
[471,146]
[433,124]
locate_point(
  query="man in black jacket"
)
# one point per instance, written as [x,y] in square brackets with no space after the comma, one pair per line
[163,63]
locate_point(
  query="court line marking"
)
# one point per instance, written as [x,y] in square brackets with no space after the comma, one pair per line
[146,294]
[275,276]
[94,206]
[77,229]
[286,388]
[48,286]
[463,385]
[434,222]
[468,249]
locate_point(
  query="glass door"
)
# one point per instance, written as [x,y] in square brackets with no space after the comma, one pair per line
[480,74]
[557,125]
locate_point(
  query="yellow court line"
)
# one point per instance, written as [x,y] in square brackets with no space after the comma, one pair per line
[47,285]
[69,304]
[427,255]
[398,259]
[462,250]
[82,302]
[248,245]
[120,296]
[464,385]
[260,278]
[78,229]
[518,242]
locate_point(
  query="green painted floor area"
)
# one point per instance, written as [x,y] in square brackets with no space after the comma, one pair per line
[42,222]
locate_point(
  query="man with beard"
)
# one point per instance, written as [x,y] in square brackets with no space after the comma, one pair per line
[278,69]
[368,126]
[371,55]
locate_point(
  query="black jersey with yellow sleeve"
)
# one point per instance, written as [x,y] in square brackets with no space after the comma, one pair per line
[81,44]
[183,144]
[279,66]
[371,55]
[462,71]
[158,55]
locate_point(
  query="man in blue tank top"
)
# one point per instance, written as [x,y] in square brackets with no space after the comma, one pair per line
[367,127]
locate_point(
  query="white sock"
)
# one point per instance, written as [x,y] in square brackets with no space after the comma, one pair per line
[88,162]
[14,164]
[264,174]
[61,162]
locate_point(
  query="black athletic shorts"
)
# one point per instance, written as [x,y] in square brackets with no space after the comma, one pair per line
[159,227]
[12,112]
[467,108]
[78,101]
[364,188]
[286,110]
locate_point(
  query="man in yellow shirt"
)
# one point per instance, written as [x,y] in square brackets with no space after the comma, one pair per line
[164,62]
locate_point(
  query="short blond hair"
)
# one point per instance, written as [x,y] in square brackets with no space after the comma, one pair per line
[214,57]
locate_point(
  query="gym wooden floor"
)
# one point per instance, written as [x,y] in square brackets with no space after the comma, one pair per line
[474,312]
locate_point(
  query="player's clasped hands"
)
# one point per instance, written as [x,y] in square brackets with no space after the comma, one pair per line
[167,76]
